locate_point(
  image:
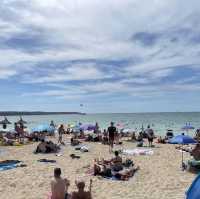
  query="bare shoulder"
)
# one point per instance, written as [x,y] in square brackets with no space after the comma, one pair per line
[52,181]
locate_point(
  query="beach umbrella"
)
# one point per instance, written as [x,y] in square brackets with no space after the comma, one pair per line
[43,128]
[194,191]
[5,121]
[187,127]
[182,139]
[21,121]
[87,127]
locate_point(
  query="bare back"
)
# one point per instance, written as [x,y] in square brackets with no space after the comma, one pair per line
[81,195]
[59,188]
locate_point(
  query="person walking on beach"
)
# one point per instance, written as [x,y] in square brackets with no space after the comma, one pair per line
[59,186]
[61,131]
[81,193]
[111,133]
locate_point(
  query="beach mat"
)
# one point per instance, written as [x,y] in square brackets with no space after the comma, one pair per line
[47,161]
[137,152]
[9,164]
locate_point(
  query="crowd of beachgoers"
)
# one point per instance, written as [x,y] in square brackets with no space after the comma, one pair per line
[53,138]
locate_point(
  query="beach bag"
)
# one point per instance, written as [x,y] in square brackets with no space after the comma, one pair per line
[108,173]
[128,163]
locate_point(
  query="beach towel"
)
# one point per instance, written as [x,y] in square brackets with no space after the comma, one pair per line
[82,148]
[194,191]
[137,152]
[47,161]
[59,154]
[10,164]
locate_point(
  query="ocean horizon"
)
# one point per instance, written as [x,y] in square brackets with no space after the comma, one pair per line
[159,121]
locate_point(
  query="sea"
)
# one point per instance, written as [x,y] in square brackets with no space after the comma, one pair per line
[160,122]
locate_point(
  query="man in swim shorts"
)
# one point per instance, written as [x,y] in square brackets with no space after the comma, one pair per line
[111,133]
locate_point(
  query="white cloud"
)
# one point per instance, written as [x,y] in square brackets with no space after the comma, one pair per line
[6,73]
[92,30]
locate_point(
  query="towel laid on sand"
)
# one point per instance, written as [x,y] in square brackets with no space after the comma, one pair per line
[82,148]
[47,161]
[9,164]
[137,151]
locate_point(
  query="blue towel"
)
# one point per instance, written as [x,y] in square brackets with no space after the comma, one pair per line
[7,167]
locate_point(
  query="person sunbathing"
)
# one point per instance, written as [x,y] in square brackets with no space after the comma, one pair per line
[116,162]
[101,169]
[59,186]
[81,193]
[127,173]
[74,142]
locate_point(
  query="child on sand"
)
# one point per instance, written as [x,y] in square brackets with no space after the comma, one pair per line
[81,193]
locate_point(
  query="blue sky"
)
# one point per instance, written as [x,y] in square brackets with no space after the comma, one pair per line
[113,56]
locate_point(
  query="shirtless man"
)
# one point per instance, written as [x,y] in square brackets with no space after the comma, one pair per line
[81,193]
[59,186]
[116,162]
[61,131]
[111,133]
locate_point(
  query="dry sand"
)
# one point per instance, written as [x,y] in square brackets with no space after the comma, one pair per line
[159,177]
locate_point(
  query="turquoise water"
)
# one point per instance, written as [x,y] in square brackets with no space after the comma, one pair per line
[158,121]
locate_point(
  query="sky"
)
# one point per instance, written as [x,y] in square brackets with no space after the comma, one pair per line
[111,56]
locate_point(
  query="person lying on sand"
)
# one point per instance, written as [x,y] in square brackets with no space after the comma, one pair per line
[81,193]
[116,162]
[104,167]
[74,142]
[127,173]
[59,186]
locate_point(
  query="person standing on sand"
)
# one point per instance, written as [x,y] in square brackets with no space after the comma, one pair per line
[61,131]
[111,133]
[81,193]
[59,186]
[150,135]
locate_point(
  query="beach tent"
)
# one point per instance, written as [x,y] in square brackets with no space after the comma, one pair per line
[182,139]
[194,190]
[44,128]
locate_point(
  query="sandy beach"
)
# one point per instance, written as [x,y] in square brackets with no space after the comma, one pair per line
[159,177]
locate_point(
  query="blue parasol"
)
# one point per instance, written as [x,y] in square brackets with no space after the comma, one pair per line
[194,191]
[87,127]
[182,139]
